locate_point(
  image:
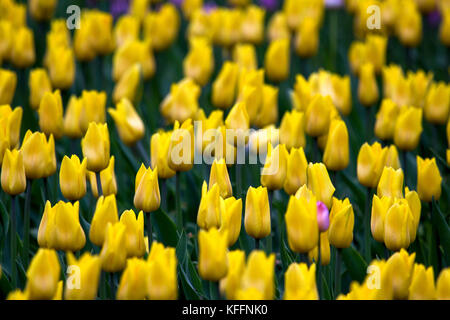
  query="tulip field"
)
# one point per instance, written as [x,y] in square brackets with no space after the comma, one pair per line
[225,150]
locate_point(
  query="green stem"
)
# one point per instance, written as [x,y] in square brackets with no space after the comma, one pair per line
[337,274]
[257,243]
[214,293]
[269,239]
[149,230]
[46,190]
[319,269]
[13,242]
[26,231]
[142,153]
[238,180]
[178,202]
[99,184]
[163,187]
[367,229]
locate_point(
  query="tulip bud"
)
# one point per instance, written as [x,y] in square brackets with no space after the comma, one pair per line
[134,233]
[229,286]
[224,87]
[131,286]
[391,183]
[251,92]
[336,154]
[93,109]
[147,197]
[292,129]
[231,219]
[22,50]
[422,284]
[380,206]
[159,147]
[277,60]
[62,67]
[95,146]
[39,84]
[367,89]
[43,275]
[399,268]
[244,55]
[429,179]
[342,93]
[42,10]
[385,120]
[408,26]
[114,252]
[319,183]
[444,30]
[342,220]
[162,273]
[162,27]
[300,282]
[370,162]
[129,125]
[11,121]
[273,174]
[277,28]
[128,84]
[257,213]
[212,259]
[322,217]
[51,114]
[131,53]
[307,38]
[105,212]
[89,276]
[126,29]
[443,285]
[8,81]
[408,128]
[107,180]
[72,178]
[317,116]
[268,113]
[252,24]
[199,61]
[415,205]
[437,103]
[13,177]
[259,274]
[181,147]
[219,175]
[211,208]
[392,159]
[182,101]
[398,225]
[72,125]
[296,170]
[38,155]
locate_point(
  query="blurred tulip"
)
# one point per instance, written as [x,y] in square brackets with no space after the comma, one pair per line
[219,175]
[131,286]
[444,30]
[380,206]
[92,109]
[62,67]
[162,273]
[126,29]
[95,146]
[259,274]
[292,129]
[319,183]
[437,104]
[324,250]
[317,115]
[162,27]
[128,84]
[408,128]
[399,268]
[392,159]
[11,121]
[277,28]
[114,252]
[252,24]
[244,55]
[6,29]
[38,155]
[72,178]
[22,50]
[212,257]
[306,40]
[416,206]
[268,113]
[251,93]
[367,88]
[229,285]
[39,84]
[181,148]
[8,81]
[42,10]
[277,60]
[134,233]
[273,174]
[231,219]
[159,146]
[342,93]
[13,177]
[188,7]
[182,101]
[385,120]
[199,61]
[342,220]
[300,282]
[391,183]
[105,212]
[43,275]
[296,171]
[422,284]
[224,87]
[51,114]
[129,125]
[249,294]
[371,160]
[257,213]
[100,35]
[408,25]
[89,276]
[131,53]
[147,197]
[336,154]
[238,120]
[429,179]
[443,285]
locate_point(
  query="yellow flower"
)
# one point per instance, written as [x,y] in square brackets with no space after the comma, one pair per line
[100,33]
[408,26]
[259,274]
[72,178]
[199,61]
[258,141]
[429,179]
[257,213]
[380,206]
[114,252]
[86,286]
[415,205]
[296,170]
[444,30]
[162,27]
[398,224]
[376,50]
[268,113]
[324,250]
[13,177]
[277,60]
[341,93]
[357,55]
[307,38]
[38,155]
[317,115]
[212,258]
[42,10]
[342,221]
[126,29]
[60,227]
[443,285]
[211,208]
[399,269]
[437,103]
[11,120]
[319,183]
[273,174]
[84,50]
[107,179]
[43,275]
[392,159]
[301,224]
[92,109]
[230,285]
[219,175]
[231,219]
[244,55]
[129,125]
[251,92]
[128,84]
[162,273]
[95,146]
[422,284]
[367,88]
[147,197]
[336,154]
[277,28]
[300,282]
[292,129]
[132,286]
[39,84]
[391,183]
[51,114]
[8,81]
[181,147]
[138,8]
[182,101]
[6,29]
[252,24]
[408,128]
[131,53]
[385,120]
[22,49]
[371,160]
[134,233]
[190,6]
[249,294]
[159,147]
[105,212]
[224,87]
[62,67]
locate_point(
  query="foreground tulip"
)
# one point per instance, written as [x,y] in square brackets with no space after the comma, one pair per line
[131,286]
[72,178]
[105,212]
[443,285]
[296,171]
[398,225]
[13,177]
[39,84]
[211,208]
[422,284]
[51,114]
[114,253]
[107,180]
[408,128]
[313,255]
[229,285]
[370,162]
[224,87]
[8,81]
[212,259]
[257,213]
[92,109]
[391,183]
[95,146]
[147,197]
[180,156]
[399,269]
[300,282]
[273,174]
[128,84]
[134,233]
[43,275]
[231,219]
[367,88]
[429,179]
[342,220]
[259,274]
[38,155]
[277,59]
[162,273]
[292,130]
[319,183]
[336,154]
[380,206]
[159,147]
[86,286]
[219,175]
[22,51]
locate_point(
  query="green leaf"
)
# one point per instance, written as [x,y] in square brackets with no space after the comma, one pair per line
[443,230]
[355,264]
[181,249]
[165,228]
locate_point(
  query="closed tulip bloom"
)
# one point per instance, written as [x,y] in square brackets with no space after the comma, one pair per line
[239,121]
[131,286]
[6,29]
[342,94]
[162,27]
[42,10]
[89,276]
[408,26]
[385,120]
[273,175]
[249,294]
[100,35]
[336,154]
[252,24]
[301,224]
[162,273]
[370,163]
[51,114]
[95,146]
[11,121]
[8,81]
[22,50]
[277,28]
[444,30]
[159,149]
[62,67]
[224,87]
[129,125]
[408,128]
[277,60]
[268,113]
[429,179]
[43,275]
[182,101]
[317,115]
[380,206]
[92,109]
[39,84]
[244,55]
[72,178]
[416,206]
[443,285]
[71,123]
[324,250]
[134,233]
[229,286]
[307,38]
[107,179]
[181,147]
[219,175]
[84,50]
[292,129]
[114,252]
[212,259]
[437,104]
[259,274]
[38,155]
[367,88]
[392,159]
[342,220]
[319,183]
[231,219]
[126,29]
[211,208]
[134,52]
[422,284]
[398,223]
[13,177]
[300,282]
[257,213]
[391,183]
[199,61]
[147,197]
[105,212]
[296,170]
[60,227]
[399,269]
[128,84]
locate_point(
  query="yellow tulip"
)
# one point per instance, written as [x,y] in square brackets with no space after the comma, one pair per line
[376,50]
[399,268]
[62,67]
[443,285]
[391,183]
[181,147]
[238,120]
[131,286]
[8,81]
[51,114]
[131,53]
[268,113]
[342,220]
[307,38]
[128,84]
[277,60]
[367,88]
[43,275]
[317,115]
[258,141]
[126,29]
[408,25]
[134,233]
[229,286]
[444,30]
[38,155]
[341,93]
[224,87]
[11,120]
[257,213]
[105,212]
[129,125]
[199,61]
[277,27]
[313,255]
[249,294]
[408,128]
[437,104]
[114,252]
[380,206]
[273,174]
[182,101]
[39,84]
[336,154]
[83,48]
[147,197]
[259,274]
[300,282]
[162,27]
[190,6]
[42,10]
[206,139]
[219,175]
[252,24]
[371,160]
[159,147]
[92,110]
[422,284]
[385,120]
[71,123]
[22,50]
[357,55]
[319,183]
[398,224]
[86,286]
[72,178]
[212,258]
[429,179]
[162,273]
[296,171]
[392,159]
[107,180]
[6,29]
[244,55]
[251,92]
[13,177]
[100,33]
[416,206]
[231,219]
[292,129]
[95,146]
[211,208]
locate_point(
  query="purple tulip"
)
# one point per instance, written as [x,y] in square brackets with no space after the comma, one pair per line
[323,218]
